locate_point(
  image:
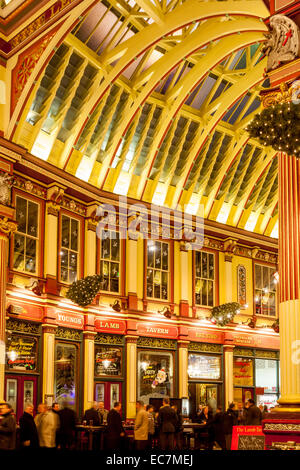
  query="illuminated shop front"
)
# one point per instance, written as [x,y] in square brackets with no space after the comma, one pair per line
[256,376]
[109,369]
[22,364]
[205,375]
[156,369]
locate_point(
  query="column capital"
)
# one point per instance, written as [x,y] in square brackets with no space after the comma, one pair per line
[131,339]
[228,347]
[7,226]
[47,328]
[89,335]
[183,343]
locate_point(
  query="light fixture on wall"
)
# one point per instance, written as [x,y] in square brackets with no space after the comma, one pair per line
[36,287]
[116,306]
[166,312]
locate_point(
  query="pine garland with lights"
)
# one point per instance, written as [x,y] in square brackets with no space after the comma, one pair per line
[279,127]
[224,314]
[84,291]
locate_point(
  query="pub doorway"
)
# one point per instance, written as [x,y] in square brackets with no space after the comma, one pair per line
[209,394]
[109,393]
[21,390]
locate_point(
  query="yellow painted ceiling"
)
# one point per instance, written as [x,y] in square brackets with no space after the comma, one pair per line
[150,99]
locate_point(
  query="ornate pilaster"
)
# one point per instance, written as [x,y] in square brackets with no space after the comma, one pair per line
[131,385]
[7,227]
[90,254]
[289,275]
[184,277]
[54,197]
[229,247]
[183,367]
[89,363]
[132,274]
[48,359]
[228,371]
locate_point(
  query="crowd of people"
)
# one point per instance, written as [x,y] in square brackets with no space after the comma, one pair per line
[54,427]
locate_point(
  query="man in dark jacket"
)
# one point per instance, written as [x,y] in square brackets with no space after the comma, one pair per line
[253,416]
[230,420]
[7,428]
[91,416]
[217,433]
[67,426]
[115,430]
[28,431]
[167,421]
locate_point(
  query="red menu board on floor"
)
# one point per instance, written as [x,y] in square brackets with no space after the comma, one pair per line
[247,438]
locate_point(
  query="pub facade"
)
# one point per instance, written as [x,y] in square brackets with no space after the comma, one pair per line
[148,333]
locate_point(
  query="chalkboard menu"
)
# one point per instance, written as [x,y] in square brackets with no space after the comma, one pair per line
[21,353]
[108,361]
[247,438]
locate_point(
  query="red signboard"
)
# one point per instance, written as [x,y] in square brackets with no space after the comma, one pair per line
[26,311]
[70,320]
[254,340]
[205,336]
[157,330]
[110,325]
[247,438]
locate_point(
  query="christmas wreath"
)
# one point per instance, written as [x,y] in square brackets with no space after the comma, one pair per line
[279,127]
[84,291]
[223,314]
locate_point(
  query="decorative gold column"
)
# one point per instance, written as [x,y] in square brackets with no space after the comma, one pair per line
[184,277]
[229,247]
[289,275]
[48,359]
[54,196]
[131,269]
[228,371]
[88,367]
[90,246]
[183,369]
[7,227]
[131,376]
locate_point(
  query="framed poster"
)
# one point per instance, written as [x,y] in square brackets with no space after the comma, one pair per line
[21,353]
[108,361]
[202,366]
[242,372]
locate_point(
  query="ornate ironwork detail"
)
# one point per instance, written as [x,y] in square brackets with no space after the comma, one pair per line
[29,186]
[23,326]
[266,354]
[109,339]
[73,206]
[205,347]
[243,352]
[158,343]
[289,427]
[5,189]
[67,333]
[241,276]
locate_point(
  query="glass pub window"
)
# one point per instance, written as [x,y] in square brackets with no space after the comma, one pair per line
[26,237]
[265,290]
[204,278]
[69,249]
[110,260]
[157,269]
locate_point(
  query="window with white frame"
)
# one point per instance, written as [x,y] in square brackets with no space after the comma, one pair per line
[204,278]
[110,256]
[158,266]
[69,249]
[27,235]
[265,290]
